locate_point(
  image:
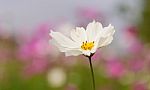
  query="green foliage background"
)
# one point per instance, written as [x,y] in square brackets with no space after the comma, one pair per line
[144,25]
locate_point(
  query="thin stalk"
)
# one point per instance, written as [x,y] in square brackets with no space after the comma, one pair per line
[92,72]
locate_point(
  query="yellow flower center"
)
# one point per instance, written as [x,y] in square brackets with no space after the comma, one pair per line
[87,45]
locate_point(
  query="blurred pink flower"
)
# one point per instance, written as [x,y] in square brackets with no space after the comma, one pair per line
[115,68]
[139,86]
[38,45]
[136,64]
[35,66]
[34,53]
[135,45]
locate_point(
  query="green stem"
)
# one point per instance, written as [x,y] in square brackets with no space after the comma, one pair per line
[92,72]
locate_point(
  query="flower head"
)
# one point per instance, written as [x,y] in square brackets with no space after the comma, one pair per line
[83,41]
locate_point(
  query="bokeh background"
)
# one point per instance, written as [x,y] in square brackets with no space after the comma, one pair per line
[29,62]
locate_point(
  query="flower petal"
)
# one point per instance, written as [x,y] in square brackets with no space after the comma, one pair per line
[106,36]
[73,53]
[86,52]
[96,45]
[79,35]
[61,48]
[63,40]
[108,31]
[105,41]
[92,30]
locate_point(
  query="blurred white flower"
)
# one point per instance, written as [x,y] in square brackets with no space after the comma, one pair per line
[83,41]
[56,77]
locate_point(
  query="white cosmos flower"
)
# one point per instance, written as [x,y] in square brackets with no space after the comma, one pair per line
[83,41]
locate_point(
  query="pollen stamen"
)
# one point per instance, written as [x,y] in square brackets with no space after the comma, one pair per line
[87,45]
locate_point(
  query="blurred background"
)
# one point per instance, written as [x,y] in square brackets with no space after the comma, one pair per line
[29,62]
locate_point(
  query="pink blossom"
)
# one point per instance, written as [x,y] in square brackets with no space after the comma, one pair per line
[136,64]
[115,68]
[135,45]
[139,86]
[38,45]
[34,52]
[35,66]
